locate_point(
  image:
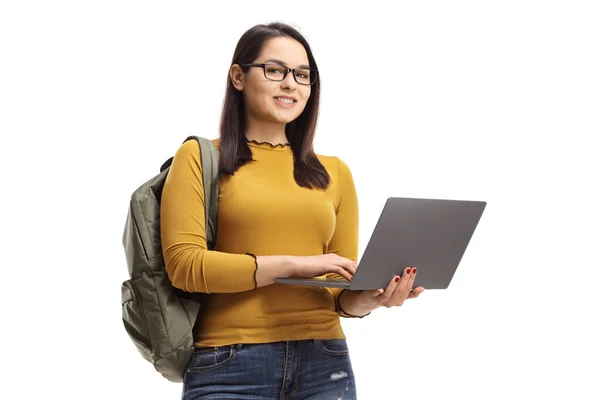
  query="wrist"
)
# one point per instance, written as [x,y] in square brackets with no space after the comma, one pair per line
[291,265]
[353,303]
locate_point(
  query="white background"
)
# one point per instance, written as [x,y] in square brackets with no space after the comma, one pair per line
[484,100]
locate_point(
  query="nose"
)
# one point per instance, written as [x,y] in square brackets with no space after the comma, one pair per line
[289,82]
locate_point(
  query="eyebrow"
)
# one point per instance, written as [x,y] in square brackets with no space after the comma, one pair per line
[276,61]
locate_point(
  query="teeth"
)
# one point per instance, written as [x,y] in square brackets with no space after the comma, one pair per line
[284,100]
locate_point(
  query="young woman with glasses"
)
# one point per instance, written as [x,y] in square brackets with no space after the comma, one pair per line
[283,211]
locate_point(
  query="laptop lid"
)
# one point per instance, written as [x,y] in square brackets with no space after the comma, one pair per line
[431,234]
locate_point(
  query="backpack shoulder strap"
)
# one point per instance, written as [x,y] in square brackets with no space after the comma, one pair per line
[210,176]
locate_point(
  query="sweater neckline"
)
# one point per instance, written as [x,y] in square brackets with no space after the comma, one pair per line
[268,145]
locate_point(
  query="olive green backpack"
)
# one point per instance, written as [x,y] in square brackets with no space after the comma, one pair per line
[158,317]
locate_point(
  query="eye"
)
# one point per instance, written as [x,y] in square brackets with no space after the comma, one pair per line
[303,75]
[274,70]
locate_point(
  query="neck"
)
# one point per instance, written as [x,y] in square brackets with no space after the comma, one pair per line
[270,132]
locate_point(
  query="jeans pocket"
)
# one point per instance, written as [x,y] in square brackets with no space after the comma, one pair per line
[209,358]
[335,347]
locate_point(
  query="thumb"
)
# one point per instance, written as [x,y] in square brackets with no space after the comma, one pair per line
[415,292]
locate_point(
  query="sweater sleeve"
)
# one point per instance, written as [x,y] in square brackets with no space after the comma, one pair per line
[189,264]
[344,242]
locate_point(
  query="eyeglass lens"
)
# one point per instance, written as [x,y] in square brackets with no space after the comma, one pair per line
[277,72]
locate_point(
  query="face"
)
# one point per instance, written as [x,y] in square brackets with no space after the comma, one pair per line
[269,101]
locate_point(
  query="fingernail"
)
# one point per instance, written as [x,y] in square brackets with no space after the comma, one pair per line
[408,270]
[397,279]
[414,270]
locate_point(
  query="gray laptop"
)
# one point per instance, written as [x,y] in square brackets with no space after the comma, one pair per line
[431,234]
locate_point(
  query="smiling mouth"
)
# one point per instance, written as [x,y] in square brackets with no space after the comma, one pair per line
[285,100]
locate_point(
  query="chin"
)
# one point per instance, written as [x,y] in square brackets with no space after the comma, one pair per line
[283,119]
[291,116]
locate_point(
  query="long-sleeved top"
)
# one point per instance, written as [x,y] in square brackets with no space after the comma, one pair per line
[262,211]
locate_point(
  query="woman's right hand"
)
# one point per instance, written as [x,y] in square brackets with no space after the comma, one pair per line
[311,266]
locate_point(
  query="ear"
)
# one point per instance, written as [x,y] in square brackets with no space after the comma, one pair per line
[237,76]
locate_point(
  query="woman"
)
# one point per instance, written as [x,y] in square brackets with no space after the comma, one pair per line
[283,211]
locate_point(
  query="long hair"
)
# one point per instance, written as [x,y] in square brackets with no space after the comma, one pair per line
[233,146]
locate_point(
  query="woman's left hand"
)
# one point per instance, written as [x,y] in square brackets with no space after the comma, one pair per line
[398,290]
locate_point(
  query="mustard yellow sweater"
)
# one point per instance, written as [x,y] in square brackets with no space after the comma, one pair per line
[262,211]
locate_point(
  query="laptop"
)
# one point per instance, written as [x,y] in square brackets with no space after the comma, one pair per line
[431,234]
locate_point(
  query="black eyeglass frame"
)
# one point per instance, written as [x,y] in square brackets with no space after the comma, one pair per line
[313,72]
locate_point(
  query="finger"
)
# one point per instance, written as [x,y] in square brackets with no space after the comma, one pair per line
[389,291]
[416,292]
[403,285]
[378,293]
[345,263]
[399,294]
[413,275]
[351,266]
[341,271]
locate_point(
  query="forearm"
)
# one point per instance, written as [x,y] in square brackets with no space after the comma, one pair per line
[193,268]
[271,267]
[200,270]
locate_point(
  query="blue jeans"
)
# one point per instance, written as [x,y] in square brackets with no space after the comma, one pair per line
[294,370]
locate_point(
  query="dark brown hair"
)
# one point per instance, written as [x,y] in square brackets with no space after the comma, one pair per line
[233,146]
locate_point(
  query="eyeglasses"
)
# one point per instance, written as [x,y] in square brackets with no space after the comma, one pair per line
[278,73]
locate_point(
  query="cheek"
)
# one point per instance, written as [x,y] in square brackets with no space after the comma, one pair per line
[260,95]
[255,100]
[305,97]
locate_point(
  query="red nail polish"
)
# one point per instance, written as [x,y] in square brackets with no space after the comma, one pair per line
[414,270]
[397,279]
